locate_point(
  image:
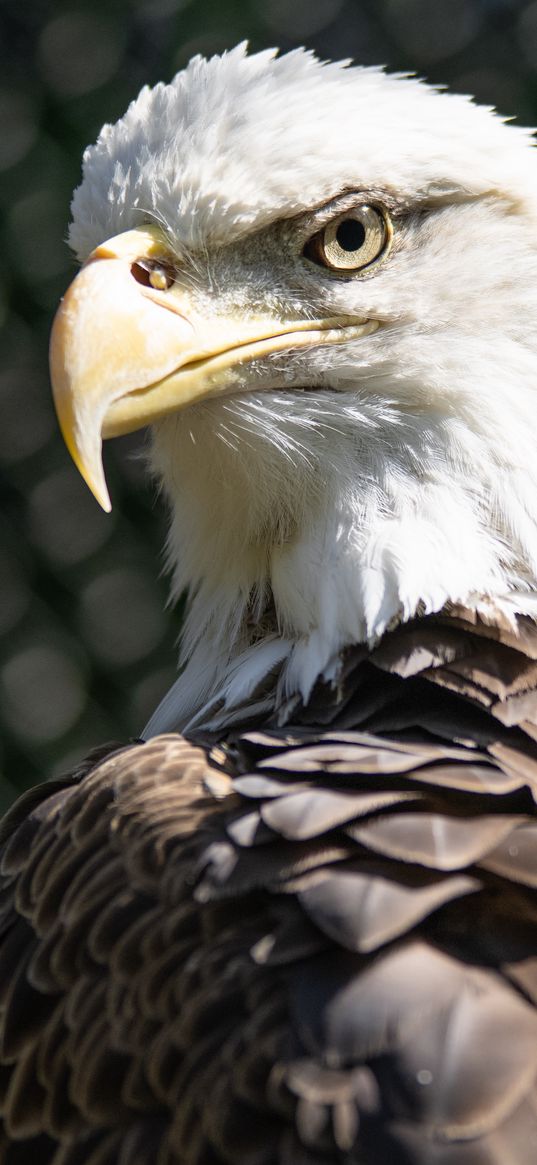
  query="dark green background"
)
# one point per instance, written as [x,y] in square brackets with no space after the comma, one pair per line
[86,648]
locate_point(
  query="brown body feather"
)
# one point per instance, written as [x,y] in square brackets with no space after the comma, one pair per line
[300,945]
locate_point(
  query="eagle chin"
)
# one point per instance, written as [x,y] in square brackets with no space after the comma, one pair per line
[297,925]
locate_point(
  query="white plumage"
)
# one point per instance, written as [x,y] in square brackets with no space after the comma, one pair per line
[335,490]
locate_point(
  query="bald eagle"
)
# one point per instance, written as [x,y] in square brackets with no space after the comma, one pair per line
[296,924]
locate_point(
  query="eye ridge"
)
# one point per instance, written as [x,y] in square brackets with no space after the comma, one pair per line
[352,240]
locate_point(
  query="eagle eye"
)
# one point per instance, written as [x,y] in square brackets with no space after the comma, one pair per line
[352,240]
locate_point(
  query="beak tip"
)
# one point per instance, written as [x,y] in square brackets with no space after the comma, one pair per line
[105,504]
[90,467]
[99,489]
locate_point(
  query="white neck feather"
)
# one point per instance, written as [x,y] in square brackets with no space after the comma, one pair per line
[306,522]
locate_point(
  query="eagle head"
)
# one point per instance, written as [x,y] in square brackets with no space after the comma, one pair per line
[318,285]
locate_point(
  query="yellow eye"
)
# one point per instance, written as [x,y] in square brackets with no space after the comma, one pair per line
[352,240]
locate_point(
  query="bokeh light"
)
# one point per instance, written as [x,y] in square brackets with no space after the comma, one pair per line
[64,521]
[111,637]
[79,51]
[42,692]
[432,32]
[300,19]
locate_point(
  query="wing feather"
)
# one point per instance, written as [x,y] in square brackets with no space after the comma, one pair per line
[306,943]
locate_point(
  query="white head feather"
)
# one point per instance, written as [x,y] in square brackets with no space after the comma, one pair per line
[405,478]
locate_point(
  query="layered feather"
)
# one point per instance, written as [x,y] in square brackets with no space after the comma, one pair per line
[305,944]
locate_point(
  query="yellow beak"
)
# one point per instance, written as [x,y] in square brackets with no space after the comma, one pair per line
[128,347]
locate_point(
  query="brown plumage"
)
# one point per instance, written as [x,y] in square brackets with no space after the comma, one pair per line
[307,943]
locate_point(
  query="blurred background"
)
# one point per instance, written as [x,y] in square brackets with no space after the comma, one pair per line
[86,645]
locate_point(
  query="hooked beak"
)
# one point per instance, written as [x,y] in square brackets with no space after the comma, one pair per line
[129,347]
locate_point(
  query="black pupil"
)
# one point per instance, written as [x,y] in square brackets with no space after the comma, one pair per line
[350,234]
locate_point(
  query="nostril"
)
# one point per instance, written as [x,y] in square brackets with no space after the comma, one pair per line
[141,274]
[156,275]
